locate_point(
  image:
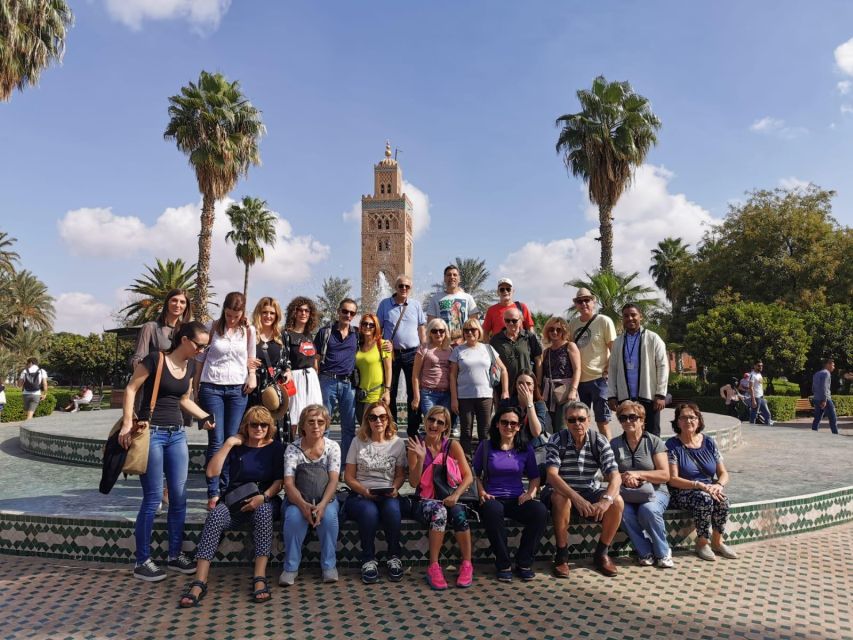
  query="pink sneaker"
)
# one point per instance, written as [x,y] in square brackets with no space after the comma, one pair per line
[435,577]
[466,575]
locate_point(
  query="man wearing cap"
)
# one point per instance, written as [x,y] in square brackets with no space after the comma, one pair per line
[594,335]
[494,321]
[518,349]
[639,368]
[403,325]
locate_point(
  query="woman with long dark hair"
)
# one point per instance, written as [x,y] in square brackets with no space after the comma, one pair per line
[157,335]
[225,380]
[168,452]
[299,329]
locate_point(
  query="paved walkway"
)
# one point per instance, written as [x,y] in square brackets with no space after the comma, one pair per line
[796,587]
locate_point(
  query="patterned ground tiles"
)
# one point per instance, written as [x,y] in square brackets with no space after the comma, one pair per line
[793,587]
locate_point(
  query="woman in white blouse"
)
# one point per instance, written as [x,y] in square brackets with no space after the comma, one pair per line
[225,381]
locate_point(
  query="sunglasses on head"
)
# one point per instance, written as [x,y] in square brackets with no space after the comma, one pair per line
[628,417]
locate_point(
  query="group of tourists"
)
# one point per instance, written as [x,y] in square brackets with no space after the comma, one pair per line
[265,386]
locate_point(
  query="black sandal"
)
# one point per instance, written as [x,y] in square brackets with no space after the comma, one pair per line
[257,593]
[189,595]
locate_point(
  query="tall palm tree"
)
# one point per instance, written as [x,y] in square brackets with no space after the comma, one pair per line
[252,226]
[334,290]
[32,36]
[613,291]
[151,289]
[219,130]
[603,143]
[8,258]
[665,258]
[31,305]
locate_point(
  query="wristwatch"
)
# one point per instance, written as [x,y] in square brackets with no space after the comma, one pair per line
[607,497]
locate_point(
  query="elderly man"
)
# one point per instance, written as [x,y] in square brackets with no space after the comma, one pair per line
[575,456]
[823,404]
[403,325]
[639,368]
[594,335]
[454,306]
[494,320]
[518,349]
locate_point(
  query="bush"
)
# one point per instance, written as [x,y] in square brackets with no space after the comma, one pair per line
[681,385]
[843,405]
[782,408]
[14,410]
[785,388]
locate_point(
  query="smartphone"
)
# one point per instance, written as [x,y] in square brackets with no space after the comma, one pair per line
[382,491]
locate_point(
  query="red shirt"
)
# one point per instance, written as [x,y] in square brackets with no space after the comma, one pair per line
[494,321]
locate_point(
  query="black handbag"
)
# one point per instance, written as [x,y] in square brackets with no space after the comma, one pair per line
[442,488]
[237,497]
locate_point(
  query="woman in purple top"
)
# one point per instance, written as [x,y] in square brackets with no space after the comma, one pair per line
[501,461]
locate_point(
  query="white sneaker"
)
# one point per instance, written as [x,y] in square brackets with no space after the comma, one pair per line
[665,562]
[287,578]
[725,551]
[645,561]
[705,553]
[330,575]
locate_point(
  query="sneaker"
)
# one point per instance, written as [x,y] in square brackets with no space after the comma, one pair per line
[287,578]
[665,562]
[182,563]
[525,573]
[395,569]
[370,572]
[705,553]
[504,575]
[330,575]
[435,577]
[159,511]
[456,432]
[725,551]
[149,572]
[466,575]
[645,561]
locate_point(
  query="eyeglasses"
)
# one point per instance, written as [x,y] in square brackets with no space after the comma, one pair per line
[347,312]
[628,417]
[577,420]
[504,289]
[509,424]
[368,325]
[201,348]
[404,286]
[259,425]
[512,320]
[303,310]
[437,332]
[469,331]
[555,330]
[689,418]
[582,300]
[377,417]
[434,420]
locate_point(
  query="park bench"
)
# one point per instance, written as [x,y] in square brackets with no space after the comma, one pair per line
[94,405]
[804,405]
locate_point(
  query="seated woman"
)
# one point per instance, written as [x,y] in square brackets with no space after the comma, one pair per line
[311,469]
[435,512]
[84,397]
[533,410]
[375,467]
[256,457]
[642,464]
[501,461]
[698,479]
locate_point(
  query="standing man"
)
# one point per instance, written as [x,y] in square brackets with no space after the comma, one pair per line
[494,321]
[454,306]
[403,325]
[518,349]
[336,345]
[639,368]
[823,403]
[594,335]
[757,403]
[33,383]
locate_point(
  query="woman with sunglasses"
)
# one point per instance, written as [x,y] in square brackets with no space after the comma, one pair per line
[501,462]
[558,370]
[642,461]
[470,390]
[373,364]
[431,371]
[426,508]
[375,465]
[167,449]
[299,328]
[256,458]
[271,361]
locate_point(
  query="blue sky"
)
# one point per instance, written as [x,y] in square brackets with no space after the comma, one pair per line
[751,95]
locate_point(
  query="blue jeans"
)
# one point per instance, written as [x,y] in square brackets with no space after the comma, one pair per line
[593,393]
[829,411]
[167,453]
[429,399]
[340,394]
[367,514]
[645,526]
[762,408]
[295,528]
[227,404]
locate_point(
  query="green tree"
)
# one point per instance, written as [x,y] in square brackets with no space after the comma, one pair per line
[150,290]
[613,291]
[32,36]
[8,258]
[81,359]
[731,337]
[31,305]
[830,328]
[603,143]
[218,128]
[539,320]
[666,258]
[252,227]
[334,290]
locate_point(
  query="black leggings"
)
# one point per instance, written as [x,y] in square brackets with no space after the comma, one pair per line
[469,408]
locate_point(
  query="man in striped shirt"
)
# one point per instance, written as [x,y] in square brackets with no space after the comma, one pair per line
[574,458]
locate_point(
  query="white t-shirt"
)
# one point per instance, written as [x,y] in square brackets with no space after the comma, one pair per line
[453,308]
[41,378]
[377,462]
[756,381]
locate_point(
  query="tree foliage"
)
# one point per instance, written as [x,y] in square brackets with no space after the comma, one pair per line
[334,290]
[666,259]
[252,227]
[613,291]
[831,330]
[151,288]
[85,359]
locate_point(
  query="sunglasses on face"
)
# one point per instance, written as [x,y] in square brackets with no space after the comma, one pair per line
[504,289]
[368,325]
[554,330]
[576,420]
[437,332]
[347,312]
[629,417]
[259,425]
[199,347]
[438,421]
[404,286]
[509,424]
[583,300]
[377,417]
[303,310]
[469,331]
[512,320]
[689,418]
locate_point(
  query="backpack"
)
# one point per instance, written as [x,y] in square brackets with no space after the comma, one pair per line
[32,381]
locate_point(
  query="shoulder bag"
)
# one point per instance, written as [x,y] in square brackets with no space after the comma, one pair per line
[494,369]
[557,390]
[447,476]
[637,495]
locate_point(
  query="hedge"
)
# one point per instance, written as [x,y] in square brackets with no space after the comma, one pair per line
[14,410]
[781,407]
[843,405]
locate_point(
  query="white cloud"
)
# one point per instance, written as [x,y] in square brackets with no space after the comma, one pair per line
[846,109]
[644,216]
[203,15]
[793,183]
[776,127]
[844,87]
[81,313]
[844,57]
[420,209]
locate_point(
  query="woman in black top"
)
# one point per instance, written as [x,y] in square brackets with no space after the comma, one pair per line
[168,450]
[300,327]
[271,357]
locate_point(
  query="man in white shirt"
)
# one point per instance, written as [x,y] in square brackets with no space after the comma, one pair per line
[756,395]
[33,383]
[454,306]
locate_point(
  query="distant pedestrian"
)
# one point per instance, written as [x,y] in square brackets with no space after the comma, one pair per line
[2,399]
[33,383]
[823,404]
[757,402]
[730,396]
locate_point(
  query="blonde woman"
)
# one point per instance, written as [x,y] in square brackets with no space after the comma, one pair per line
[431,371]
[558,371]
[271,357]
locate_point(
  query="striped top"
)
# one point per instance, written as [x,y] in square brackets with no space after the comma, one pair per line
[579,468]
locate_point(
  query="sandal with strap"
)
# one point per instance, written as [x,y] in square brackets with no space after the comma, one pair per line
[258,593]
[189,595]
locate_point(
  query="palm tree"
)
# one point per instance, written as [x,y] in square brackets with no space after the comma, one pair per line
[219,129]
[613,291]
[8,258]
[473,275]
[334,290]
[31,305]
[252,226]
[665,258]
[603,143]
[151,289]
[32,35]
[539,320]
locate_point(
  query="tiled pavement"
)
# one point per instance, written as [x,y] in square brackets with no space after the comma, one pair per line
[794,587]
